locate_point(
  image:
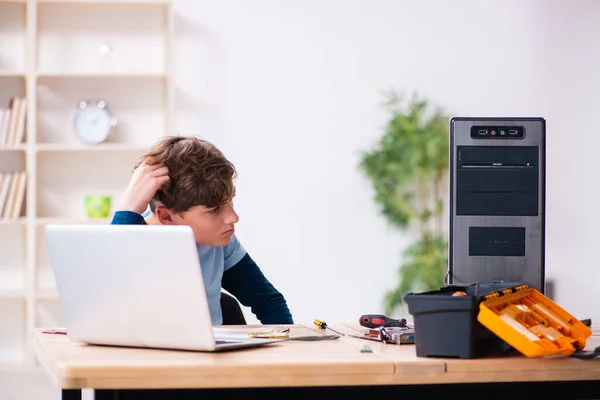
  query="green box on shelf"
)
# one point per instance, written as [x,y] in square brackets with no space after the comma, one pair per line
[97,206]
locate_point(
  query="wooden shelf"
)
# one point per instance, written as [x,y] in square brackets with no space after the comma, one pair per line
[12,294]
[9,74]
[18,147]
[75,221]
[99,75]
[106,2]
[99,147]
[54,57]
[19,221]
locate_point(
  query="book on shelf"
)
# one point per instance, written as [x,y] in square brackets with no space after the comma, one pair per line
[12,122]
[4,124]
[12,193]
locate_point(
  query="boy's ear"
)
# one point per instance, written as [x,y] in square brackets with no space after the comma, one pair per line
[164,215]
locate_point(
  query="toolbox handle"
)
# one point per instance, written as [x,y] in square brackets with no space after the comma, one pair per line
[586,355]
[506,292]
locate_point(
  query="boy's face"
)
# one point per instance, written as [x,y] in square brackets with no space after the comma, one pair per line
[212,226]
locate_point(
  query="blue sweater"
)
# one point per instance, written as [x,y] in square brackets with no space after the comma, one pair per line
[244,280]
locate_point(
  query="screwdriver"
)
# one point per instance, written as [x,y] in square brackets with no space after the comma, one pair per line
[376,320]
[323,325]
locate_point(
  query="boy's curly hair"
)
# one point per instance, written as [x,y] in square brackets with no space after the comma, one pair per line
[200,175]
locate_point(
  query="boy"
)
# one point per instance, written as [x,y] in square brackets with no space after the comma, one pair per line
[188,181]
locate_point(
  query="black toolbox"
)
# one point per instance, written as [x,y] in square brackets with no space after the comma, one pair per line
[447,325]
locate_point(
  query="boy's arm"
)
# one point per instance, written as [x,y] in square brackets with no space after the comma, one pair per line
[248,284]
[127,218]
[144,183]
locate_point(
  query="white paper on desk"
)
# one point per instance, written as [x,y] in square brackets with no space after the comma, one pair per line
[237,333]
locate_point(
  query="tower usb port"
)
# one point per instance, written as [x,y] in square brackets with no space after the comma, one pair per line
[483,132]
[513,132]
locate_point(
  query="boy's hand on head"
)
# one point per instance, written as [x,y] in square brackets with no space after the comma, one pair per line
[144,183]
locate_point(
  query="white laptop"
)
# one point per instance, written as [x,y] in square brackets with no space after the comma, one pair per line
[134,285]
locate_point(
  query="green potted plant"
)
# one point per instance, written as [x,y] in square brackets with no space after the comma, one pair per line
[408,171]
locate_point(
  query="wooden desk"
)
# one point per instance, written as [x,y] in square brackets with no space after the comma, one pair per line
[297,366]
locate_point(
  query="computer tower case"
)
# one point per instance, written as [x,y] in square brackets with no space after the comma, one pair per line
[497,200]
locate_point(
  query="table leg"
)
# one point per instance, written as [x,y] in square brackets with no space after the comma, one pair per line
[128,394]
[107,394]
[71,394]
[75,394]
[477,391]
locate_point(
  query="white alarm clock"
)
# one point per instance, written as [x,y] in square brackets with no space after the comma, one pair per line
[93,122]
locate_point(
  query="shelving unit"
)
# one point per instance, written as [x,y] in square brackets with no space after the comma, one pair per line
[55,54]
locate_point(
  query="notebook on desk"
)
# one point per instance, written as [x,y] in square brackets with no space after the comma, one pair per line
[134,285]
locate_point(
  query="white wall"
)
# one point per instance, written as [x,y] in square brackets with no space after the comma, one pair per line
[293,91]
[571,52]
